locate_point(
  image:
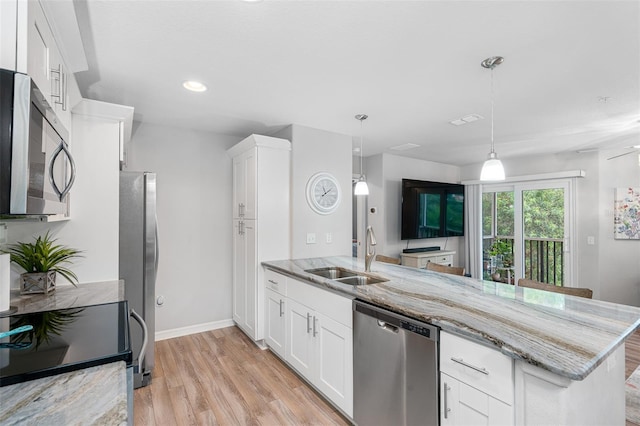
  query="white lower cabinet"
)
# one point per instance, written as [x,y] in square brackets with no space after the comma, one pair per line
[275,326]
[311,329]
[476,384]
[462,404]
[321,349]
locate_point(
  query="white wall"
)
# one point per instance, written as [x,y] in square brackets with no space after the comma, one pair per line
[610,267]
[618,260]
[314,151]
[384,175]
[194,218]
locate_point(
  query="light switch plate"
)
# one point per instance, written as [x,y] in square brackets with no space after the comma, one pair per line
[591,240]
[3,233]
[329,238]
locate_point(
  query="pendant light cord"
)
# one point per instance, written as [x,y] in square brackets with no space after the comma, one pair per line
[492,146]
[361,148]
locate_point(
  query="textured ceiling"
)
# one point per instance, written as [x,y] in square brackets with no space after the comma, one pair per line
[412,66]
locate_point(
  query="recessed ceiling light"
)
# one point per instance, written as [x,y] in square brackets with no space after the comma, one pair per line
[194,86]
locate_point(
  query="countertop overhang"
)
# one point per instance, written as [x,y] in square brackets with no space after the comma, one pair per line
[567,335]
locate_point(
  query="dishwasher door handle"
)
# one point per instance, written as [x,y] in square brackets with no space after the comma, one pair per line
[386,326]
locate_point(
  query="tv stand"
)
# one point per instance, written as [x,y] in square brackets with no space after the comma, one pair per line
[420,260]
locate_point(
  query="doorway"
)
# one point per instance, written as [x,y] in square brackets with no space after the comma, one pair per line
[526,231]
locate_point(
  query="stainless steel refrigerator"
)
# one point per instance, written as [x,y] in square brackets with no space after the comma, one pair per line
[139,260]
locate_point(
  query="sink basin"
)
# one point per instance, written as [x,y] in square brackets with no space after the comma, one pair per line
[361,280]
[345,276]
[333,273]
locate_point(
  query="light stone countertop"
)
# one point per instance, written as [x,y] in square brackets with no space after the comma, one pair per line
[95,395]
[68,296]
[567,335]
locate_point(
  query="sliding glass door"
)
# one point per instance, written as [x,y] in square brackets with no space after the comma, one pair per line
[526,229]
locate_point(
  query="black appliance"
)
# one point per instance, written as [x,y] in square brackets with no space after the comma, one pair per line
[431,209]
[36,166]
[63,340]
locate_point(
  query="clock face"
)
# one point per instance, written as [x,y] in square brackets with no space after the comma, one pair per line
[323,193]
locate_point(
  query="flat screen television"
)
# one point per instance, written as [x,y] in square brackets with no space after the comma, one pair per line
[431,209]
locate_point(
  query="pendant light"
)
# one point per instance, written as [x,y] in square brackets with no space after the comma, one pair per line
[361,187]
[492,169]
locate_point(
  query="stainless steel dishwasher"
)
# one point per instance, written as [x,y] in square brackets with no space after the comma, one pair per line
[395,364]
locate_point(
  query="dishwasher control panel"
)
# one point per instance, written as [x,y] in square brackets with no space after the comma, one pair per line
[415,328]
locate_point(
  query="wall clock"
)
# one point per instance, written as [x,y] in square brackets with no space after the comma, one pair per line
[323,193]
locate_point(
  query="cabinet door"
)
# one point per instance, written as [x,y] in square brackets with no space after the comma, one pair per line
[239,274]
[462,404]
[299,338]
[334,366]
[39,44]
[245,184]
[251,277]
[275,321]
[245,291]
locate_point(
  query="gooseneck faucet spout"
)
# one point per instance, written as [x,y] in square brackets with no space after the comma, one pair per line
[370,242]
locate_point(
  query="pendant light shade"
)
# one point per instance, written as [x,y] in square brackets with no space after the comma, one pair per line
[361,186]
[492,169]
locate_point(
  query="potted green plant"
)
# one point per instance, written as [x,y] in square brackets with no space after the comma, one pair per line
[41,260]
[501,249]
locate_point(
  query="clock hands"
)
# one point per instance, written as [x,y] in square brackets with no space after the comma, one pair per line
[325,191]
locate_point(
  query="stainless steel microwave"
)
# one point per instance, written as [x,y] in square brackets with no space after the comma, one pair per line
[36,166]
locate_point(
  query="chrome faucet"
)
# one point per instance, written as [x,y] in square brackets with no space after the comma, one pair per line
[370,242]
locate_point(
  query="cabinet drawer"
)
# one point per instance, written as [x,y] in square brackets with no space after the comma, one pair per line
[478,366]
[441,260]
[275,281]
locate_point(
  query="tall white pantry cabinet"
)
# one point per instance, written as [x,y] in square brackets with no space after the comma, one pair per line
[261,212]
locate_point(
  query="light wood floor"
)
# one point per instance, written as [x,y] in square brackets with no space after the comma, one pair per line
[221,377]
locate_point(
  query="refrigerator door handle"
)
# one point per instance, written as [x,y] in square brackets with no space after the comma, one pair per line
[137,365]
[157,243]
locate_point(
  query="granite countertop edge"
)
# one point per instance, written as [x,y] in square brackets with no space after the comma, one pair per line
[492,314]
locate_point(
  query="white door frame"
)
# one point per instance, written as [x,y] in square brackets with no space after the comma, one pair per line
[569,187]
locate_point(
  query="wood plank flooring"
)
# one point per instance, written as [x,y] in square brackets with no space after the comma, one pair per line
[222,378]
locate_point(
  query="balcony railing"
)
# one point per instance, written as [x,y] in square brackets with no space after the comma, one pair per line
[543,258]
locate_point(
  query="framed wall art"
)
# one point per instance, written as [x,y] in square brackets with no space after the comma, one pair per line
[626,214]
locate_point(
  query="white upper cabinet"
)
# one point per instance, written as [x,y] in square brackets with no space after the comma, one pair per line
[244,185]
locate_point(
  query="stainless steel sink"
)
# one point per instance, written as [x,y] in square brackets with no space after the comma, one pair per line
[346,276]
[361,280]
[332,273]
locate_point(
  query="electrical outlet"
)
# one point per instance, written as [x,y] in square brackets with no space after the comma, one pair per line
[329,238]
[311,238]
[591,240]
[3,233]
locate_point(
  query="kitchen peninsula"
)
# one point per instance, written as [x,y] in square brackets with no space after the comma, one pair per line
[69,376]
[567,353]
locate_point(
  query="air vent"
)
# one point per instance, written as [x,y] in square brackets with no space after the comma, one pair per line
[404,147]
[466,119]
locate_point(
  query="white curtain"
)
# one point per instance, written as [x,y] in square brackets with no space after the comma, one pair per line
[473,230]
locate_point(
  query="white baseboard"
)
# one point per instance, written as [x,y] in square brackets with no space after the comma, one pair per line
[193,329]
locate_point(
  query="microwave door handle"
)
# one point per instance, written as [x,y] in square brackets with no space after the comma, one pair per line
[62,148]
